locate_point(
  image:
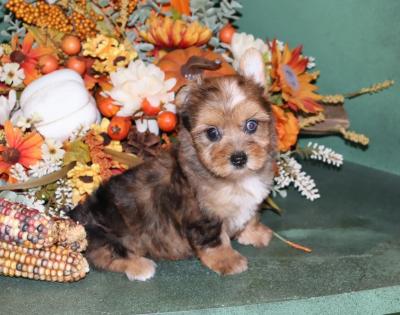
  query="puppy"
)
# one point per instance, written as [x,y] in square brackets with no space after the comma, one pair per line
[193,200]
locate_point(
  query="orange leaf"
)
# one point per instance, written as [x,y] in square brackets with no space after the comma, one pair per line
[27,43]
[182,6]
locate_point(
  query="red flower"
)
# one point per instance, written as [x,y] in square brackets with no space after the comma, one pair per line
[23,149]
[28,56]
[291,79]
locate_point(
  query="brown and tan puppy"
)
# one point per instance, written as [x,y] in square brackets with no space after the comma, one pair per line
[194,200]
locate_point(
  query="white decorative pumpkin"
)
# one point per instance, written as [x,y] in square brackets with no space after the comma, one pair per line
[62,103]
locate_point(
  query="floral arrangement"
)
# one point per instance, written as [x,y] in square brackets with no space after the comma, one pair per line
[88,88]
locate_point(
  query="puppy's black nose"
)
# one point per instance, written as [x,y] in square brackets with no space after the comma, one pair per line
[239,159]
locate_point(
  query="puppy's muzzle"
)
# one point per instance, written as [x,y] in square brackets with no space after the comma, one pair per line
[238,159]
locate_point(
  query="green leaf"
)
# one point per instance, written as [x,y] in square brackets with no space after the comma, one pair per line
[270,204]
[78,152]
[277,99]
[175,14]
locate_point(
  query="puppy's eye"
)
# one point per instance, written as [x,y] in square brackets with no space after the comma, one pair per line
[213,134]
[251,126]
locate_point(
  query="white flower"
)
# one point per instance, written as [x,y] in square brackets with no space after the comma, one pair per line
[311,63]
[242,42]
[7,105]
[11,74]
[1,51]
[52,151]
[147,124]
[23,122]
[139,81]
[279,44]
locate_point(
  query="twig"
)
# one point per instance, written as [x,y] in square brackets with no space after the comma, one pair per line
[292,244]
[371,89]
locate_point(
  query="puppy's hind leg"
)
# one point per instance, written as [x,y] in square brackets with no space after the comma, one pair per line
[113,256]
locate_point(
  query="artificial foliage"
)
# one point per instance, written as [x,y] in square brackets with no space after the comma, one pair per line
[132,56]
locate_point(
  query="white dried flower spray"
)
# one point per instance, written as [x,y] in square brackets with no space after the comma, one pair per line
[18,172]
[63,197]
[43,168]
[290,172]
[324,154]
[32,200]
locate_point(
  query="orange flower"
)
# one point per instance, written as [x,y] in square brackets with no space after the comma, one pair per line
[165,32]
[23,149]
[27,56]
[287,128]
[289,76]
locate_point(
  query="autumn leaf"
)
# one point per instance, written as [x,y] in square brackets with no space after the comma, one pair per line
[46,37]
[270,204]
[77,151]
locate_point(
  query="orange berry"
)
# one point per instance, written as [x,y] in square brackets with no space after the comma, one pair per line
[71,45]
[48,63]
[226,33]
[167,121]
[76,63]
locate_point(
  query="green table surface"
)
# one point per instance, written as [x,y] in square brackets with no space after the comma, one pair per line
[354,267]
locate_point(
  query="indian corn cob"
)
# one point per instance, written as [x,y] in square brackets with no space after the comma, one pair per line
[36,246]
[55,263]
[30,228]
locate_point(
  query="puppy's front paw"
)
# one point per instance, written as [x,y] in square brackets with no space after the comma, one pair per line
[257,235]
[140,269]
[224,260]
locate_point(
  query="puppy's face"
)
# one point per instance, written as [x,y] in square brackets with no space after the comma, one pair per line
[230,124]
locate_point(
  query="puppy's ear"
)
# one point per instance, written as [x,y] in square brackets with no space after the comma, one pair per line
[181,95]
[180,101]
[185,120]
[252,66]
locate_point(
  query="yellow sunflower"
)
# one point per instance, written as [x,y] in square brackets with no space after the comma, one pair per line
[289,77]
[84,179]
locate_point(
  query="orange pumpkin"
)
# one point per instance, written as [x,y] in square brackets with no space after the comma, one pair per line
[173,62]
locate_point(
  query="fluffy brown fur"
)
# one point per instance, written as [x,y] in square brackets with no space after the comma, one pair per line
[193,200]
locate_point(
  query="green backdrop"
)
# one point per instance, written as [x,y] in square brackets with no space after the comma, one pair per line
[356,43]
